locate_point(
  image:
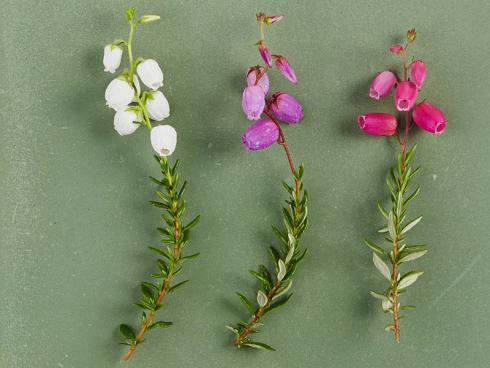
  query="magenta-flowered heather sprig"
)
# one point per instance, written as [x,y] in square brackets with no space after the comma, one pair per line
[278,108]
[429,118]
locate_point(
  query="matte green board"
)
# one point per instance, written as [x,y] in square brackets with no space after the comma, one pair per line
[74,215]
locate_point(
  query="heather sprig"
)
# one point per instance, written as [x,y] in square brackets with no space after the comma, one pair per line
[399,181]
[134,107]
[274,284]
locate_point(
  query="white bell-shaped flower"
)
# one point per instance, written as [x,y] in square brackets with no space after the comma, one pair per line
[124,122]
[163,139]
[136,83]
[118,94]
[112,58]
[150,74]
[157,106]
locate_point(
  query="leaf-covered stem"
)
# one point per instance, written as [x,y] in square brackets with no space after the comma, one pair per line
[286,261]
[176,236]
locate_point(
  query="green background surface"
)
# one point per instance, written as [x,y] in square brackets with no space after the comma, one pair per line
[75,219]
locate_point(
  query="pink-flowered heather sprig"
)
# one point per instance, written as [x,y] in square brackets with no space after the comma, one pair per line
[429,118]
[278,108]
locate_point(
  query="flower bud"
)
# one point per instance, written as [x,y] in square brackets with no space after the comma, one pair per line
[264,52]
[417,73]
[273,18]
[157,106]
[163,139]
[149,18]
[405,95]
[382,85]
[150,74]
[429,118]
[286,108]
[258,72]
[118,94]
[411,35]
[260,135]
[112,58]
[397,49]
[124,122]
[253,102]
[283,66]
[378,124]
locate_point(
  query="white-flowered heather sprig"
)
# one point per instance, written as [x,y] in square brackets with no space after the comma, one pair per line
[133,105]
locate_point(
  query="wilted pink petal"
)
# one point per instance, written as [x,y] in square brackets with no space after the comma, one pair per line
[429,118]
[382,85]
[263,80]
[286,108]
[260,135]
[417,73]
[396,49]
[264,52]
[405,95]
[283,66]
[253,102]
[378,124]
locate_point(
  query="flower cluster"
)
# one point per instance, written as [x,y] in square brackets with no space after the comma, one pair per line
[429,118]
[275,284]
[257,102]
[134,106]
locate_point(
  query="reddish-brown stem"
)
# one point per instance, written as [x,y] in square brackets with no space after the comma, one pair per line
[163,292]
[257,315]
[282,142]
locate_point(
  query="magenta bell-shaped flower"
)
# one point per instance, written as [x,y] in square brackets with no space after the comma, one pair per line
[263,79]
[429,118]
[286,108]
[262,134]
[283,66]
[377,123]
[382,85]
[265,53]
[417,73]
[253,102]
[405,95]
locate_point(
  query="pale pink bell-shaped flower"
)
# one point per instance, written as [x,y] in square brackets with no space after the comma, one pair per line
[253,102]
[405,95]
[286,108]
[396,49]
[382,85]
[260,135]
[417,73]
[258,72]
[378,124]
[283,66]
[429,118]
[265,53]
